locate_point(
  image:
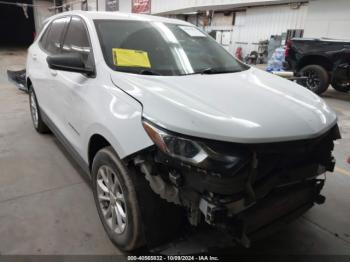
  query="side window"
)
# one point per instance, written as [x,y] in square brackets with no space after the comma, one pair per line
[77,40]
[54,38]
[43,39]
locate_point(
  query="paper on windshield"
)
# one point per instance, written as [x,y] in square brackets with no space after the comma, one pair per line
[192,31]
[130,58]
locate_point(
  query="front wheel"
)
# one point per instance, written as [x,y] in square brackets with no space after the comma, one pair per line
[116,200]
[317,78]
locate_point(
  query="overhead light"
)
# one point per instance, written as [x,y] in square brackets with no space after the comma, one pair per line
[190,13]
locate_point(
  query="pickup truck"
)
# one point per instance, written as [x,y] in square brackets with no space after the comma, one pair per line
[323,61]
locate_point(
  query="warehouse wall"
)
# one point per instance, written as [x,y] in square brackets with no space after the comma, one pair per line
[91,5]
[41,13]
[259,23]
[328,19]
[163,6]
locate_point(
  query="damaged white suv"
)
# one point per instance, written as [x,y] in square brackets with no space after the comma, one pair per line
[173,131]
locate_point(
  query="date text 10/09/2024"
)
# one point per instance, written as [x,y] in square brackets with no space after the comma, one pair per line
[173,258]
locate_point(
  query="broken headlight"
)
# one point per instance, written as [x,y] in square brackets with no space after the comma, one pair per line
[175,146]
[196,152]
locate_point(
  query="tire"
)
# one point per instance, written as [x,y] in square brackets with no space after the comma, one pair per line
[120,215]
[35,113]
[341,83]
[318,78]
[341,88]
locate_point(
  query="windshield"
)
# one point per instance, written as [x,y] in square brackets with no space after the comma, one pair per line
[157,48]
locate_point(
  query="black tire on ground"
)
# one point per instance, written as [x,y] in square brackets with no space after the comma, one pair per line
[132,236]
[318,78]
[35,113]
[341,87]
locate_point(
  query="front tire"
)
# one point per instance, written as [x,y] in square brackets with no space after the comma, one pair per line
[318,78]
[38,123]
[116,200]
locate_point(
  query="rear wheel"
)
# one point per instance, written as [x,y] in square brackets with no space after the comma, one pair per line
[341,79]
[38,123]
[317,78]
[341,87]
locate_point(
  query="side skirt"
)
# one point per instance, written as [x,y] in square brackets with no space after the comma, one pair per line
[79,160]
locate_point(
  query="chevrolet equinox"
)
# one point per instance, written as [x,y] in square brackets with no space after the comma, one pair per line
[173,131]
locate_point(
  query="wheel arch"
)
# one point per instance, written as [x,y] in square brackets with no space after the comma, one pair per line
[315,60]
[96,143]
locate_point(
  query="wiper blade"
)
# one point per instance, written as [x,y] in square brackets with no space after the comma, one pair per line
[210,71]
[149,72]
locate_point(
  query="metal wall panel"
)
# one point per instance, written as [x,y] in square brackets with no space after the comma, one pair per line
[164,6]
[259,23]
[328,19]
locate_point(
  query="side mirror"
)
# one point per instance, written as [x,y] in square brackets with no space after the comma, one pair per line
[70,63]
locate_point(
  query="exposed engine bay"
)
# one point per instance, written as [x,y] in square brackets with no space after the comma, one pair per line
[239,188]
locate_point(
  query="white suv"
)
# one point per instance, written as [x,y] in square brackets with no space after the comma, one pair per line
[172,130]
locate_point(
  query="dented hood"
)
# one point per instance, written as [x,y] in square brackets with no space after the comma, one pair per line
[245,107]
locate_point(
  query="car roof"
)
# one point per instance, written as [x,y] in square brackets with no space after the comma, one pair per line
[99,15]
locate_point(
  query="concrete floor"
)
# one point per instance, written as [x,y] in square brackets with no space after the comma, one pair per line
[47,208]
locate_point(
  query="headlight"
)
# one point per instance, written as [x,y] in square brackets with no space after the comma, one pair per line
[175,146]
[209,154]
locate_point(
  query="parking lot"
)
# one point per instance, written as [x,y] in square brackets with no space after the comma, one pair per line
[46,207]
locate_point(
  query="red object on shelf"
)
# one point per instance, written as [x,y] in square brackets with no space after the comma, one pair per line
[288,45]
[349,160]
[238,53]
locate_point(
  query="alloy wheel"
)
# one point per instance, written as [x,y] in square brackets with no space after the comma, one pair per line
[313,81]
[111,199]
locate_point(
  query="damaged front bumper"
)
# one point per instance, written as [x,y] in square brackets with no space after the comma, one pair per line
[268,185]
[18,78]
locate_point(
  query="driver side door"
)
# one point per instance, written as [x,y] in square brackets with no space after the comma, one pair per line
[74,88]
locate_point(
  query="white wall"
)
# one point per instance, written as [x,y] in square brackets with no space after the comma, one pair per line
[92,5]
[328,19]
[41,13]
[164,6]
[259,23]
[220,19]
[124,5]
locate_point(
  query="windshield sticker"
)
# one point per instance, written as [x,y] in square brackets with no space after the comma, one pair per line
[192,31]
[130,58]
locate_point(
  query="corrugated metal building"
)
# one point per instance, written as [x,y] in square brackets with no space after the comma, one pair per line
[260,23]
[239,23]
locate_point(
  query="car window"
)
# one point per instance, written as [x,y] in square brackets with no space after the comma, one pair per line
[77,40]
[54,37]
[43,39]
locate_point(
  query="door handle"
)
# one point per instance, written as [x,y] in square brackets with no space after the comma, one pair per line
[53,72]
[35,57]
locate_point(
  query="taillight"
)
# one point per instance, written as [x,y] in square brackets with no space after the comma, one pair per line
[288,45]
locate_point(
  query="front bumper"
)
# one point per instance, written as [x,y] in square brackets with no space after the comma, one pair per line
[278,181]
[282,205]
